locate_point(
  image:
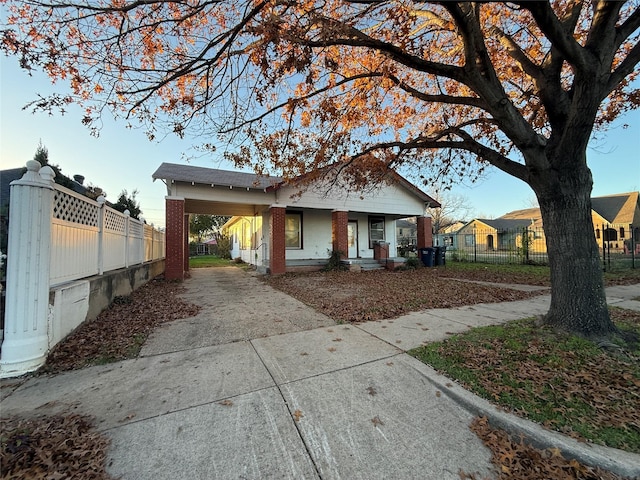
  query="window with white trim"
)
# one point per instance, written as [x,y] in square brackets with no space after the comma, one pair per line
[376,230]
[293,230]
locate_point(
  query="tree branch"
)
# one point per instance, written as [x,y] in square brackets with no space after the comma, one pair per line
[553,29]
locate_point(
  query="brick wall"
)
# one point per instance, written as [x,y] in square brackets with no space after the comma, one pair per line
[425,232]
[339,232]
[174,263]
[277,257]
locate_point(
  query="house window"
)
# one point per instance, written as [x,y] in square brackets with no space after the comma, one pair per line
[621,232]
[376,230]
[245,242]
[597,233]
[469,240]
[293,230]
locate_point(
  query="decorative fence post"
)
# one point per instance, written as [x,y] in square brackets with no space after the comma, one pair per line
[127,219]
[26,343]
[101,222]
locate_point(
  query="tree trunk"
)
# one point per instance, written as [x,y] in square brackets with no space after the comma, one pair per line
[578,302]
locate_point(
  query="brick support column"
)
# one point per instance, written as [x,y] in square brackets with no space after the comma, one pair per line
[175,238]
[186,243]
[425,232]
[339,232]
[277,246]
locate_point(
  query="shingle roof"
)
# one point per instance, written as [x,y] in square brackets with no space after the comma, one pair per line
[616,208]
[212,176]
[505,224]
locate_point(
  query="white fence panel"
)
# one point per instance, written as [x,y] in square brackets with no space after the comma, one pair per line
[135,248]
[158,244]
[114,240]
[74,252]
[74,236]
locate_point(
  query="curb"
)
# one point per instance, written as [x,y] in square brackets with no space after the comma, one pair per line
[614,460]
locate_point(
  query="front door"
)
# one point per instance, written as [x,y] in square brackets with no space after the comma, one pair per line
[352,234]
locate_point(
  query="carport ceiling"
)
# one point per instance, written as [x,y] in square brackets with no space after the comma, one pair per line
[204,207]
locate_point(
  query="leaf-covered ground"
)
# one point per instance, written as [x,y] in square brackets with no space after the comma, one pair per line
[565,383]
[375,295]
[52,448]
[517,460]
[66,446]
[119,332]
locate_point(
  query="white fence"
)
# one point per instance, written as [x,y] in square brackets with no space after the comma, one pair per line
[90,238]
[58,238]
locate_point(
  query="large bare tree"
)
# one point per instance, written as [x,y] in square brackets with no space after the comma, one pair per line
[370,84]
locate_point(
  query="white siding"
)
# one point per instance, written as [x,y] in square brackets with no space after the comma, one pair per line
[316,236]
[386,199]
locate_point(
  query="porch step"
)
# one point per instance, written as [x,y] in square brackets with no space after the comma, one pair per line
[364,263]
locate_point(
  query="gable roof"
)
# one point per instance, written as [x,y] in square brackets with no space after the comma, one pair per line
[505,223]
[620,208]
[527,213]
[226,178]
[212,176]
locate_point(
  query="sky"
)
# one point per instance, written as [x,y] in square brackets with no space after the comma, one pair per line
[124,159]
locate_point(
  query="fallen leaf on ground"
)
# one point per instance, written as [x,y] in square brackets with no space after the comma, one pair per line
[376,421]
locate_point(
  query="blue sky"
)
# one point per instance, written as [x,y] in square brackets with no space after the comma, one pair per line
[122,158]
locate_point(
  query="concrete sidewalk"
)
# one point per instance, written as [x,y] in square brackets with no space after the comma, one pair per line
[258,385]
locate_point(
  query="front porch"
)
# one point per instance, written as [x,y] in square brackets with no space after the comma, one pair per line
[282,227]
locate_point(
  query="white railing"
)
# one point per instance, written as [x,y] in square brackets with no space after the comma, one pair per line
[90,238]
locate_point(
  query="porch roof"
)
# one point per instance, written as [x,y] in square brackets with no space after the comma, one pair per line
[212,176]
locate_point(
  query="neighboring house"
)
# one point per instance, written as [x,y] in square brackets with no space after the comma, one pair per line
[406,234]
[496,234]
[278,226]
[6,177]
[615,219]
[448,236]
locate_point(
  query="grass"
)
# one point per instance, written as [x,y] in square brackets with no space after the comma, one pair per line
[561,381]
[203,261]
[529,274]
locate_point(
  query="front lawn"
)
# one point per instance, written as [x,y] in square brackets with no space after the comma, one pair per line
[564,382]
[203,261]
[380,294]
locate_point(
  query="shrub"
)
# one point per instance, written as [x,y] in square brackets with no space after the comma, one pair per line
[412,263]
[335,261]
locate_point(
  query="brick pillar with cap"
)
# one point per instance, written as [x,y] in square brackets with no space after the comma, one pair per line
[277,246]
[339,232]
[425,232]
[175,239]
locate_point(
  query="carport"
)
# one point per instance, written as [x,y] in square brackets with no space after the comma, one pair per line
[206,191]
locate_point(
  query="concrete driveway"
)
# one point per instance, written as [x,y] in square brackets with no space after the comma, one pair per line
[258,386]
